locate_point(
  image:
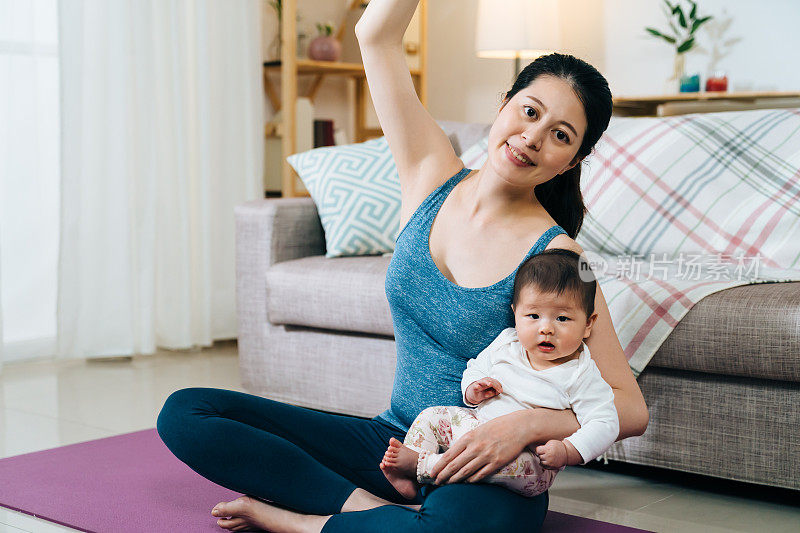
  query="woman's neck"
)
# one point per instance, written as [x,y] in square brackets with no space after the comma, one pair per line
[489,197]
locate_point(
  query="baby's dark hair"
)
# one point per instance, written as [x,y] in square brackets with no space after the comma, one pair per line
[558,271]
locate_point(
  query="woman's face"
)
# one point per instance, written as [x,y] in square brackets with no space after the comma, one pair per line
[544,125]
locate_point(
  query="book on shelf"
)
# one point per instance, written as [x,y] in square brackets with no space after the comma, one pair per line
[323,133]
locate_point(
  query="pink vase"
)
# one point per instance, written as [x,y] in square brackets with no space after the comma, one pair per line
[325,48]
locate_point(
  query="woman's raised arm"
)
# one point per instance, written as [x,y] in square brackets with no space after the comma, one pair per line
[422,152]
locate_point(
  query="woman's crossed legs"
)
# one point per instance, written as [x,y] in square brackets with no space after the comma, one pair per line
[313,463]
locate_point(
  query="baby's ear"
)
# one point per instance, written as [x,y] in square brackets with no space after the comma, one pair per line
[590,322]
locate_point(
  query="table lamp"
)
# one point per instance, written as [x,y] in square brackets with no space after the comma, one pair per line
[516,29]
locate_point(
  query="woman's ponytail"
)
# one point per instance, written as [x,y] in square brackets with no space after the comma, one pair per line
[561,197]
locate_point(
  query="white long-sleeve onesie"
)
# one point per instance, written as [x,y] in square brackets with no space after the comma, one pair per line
[575,385]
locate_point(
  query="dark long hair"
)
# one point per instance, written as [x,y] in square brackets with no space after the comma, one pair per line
[561,196]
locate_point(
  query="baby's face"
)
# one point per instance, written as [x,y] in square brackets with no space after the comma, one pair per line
[551,328]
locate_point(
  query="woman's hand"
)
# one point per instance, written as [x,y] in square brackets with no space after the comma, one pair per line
[492,445]
[483,451]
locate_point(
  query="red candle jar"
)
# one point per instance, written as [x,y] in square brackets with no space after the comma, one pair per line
[717,83]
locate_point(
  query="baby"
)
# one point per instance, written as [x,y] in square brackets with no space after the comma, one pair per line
[542,362]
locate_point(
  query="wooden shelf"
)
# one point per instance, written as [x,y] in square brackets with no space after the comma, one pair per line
[648,105]
[309,66]
[752,95]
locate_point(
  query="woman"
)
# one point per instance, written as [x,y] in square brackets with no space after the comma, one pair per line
[462,232]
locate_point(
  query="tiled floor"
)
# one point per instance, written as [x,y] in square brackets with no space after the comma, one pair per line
[64,402]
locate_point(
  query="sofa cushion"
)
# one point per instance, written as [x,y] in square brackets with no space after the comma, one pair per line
[752,330]
[343,293]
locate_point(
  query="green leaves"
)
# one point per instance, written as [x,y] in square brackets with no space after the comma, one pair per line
[686,46]
[325,29]
[681,17]
[277,5]
[699,22]
[657,33]
[677,18]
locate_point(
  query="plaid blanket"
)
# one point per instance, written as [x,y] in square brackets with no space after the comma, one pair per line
[682,207]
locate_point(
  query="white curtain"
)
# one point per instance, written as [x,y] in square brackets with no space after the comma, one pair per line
[161,121]
[1,310]
[29,178]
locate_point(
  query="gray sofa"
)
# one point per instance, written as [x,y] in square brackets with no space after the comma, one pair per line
[317,332]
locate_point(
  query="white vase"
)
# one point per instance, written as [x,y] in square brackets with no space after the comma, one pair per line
[274,50]
[673,84]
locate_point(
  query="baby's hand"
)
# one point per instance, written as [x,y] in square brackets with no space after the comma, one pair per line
[552,454]
[483,389]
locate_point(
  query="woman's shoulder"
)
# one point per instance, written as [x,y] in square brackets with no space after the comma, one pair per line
[562,240]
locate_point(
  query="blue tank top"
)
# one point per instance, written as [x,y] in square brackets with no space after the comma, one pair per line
[438,325]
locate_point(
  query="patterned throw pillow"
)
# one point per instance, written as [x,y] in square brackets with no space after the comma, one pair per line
[357,193]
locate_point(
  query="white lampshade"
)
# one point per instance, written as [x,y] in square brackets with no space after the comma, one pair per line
[517,28]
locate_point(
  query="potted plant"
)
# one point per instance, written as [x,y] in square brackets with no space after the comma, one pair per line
[325,47]
[683,29]
[274,50]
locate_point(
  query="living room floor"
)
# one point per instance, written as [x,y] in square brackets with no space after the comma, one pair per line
[48,404]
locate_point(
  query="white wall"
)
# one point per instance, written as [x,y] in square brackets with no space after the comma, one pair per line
[607,33]
[766,57]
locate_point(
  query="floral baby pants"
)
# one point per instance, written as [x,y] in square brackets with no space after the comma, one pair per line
[437,427]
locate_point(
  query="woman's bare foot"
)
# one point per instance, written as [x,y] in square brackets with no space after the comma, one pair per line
[249,514]
[399,465]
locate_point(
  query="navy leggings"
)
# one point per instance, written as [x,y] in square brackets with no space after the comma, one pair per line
[311,462]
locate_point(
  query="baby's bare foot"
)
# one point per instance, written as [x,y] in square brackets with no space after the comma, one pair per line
[249,514]
[399,465]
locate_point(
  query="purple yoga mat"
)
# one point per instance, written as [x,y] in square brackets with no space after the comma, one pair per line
[126,483]
[132,483]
